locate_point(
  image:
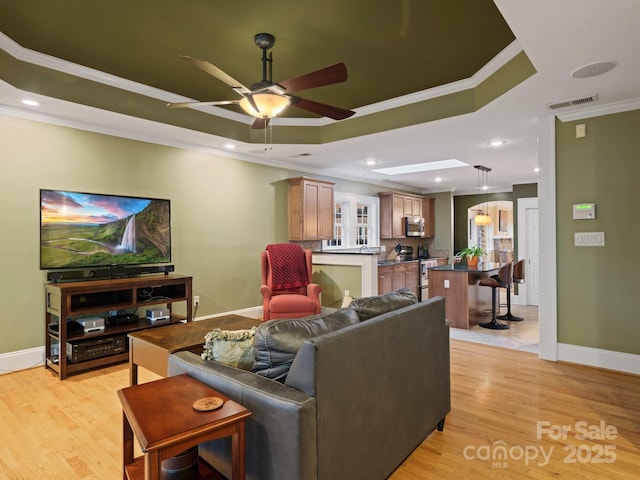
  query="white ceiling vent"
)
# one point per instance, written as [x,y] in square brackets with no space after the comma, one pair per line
[577,101]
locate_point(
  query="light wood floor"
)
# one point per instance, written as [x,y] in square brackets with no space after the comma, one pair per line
[524,335]
[72,429]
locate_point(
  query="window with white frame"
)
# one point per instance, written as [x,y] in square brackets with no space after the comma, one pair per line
[355,222]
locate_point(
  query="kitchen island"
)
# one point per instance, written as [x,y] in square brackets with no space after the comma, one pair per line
[465,300]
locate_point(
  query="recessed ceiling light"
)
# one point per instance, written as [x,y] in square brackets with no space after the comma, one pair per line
[31,103]
[537,169]
[497,143]
[229,146]
[422,167]
[371,162]
[593,69]
[437,179]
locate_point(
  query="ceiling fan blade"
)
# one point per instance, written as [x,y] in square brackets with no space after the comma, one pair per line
[325,76]
[260,123]
[323,109]
[201,104]
[216,72]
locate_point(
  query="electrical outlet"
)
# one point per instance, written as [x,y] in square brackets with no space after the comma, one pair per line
[196,300]
[446,284]
[346,293]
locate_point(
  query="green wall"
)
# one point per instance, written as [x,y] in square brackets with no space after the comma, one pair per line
[444,222]
[598,286]
[223,213]
[334,280]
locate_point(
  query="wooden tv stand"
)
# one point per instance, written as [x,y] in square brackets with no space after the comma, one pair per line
[75,300]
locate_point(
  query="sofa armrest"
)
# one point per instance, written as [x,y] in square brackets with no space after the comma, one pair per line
[281,432]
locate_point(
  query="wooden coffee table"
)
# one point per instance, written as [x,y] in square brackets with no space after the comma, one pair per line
[151,348]
[161,416]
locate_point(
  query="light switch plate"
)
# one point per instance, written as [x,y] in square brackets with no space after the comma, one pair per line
[588,239]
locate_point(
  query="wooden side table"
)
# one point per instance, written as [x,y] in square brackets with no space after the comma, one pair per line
[162,417]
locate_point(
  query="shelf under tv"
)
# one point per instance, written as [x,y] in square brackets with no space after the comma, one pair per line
[74,300]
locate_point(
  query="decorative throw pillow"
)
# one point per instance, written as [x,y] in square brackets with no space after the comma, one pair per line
[230,347]
[369,307]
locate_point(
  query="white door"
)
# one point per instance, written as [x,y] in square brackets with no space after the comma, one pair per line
[528,248]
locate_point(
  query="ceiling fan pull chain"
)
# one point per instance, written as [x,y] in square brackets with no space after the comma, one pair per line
[265,139]
[270,135]
[268,145]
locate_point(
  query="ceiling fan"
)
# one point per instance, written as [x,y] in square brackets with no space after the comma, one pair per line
[266,99]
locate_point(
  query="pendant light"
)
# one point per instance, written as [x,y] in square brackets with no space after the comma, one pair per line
[482,218]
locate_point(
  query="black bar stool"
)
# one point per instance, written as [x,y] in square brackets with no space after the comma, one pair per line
[501,280]
[518,277]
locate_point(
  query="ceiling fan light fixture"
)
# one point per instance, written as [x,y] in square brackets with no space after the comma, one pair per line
[269,105]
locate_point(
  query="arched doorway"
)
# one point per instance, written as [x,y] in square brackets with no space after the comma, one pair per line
[496,237]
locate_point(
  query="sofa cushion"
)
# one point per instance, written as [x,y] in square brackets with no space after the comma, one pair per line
[369,307]
[278,341]
[231,347]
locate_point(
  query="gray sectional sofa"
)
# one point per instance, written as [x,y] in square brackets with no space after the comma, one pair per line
[351,403]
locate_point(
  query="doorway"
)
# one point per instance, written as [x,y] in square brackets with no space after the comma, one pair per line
[496,238]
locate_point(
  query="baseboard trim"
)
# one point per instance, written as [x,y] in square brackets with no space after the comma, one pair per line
[251,312]
[21,360]
[595,357]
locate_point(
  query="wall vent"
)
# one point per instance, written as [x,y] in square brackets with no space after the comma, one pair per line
[577,101]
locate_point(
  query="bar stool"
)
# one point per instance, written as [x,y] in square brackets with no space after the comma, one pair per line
[501,280]
[518,277]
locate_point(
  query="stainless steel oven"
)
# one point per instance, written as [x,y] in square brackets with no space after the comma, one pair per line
[424,277]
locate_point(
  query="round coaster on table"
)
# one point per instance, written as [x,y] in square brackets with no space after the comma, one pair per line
[207,404]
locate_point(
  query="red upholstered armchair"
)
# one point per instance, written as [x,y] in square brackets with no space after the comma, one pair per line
[287,291]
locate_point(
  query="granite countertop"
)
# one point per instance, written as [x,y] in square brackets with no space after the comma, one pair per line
[383,263]
[463,267]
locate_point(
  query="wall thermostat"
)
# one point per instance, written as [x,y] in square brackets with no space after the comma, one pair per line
[584,211]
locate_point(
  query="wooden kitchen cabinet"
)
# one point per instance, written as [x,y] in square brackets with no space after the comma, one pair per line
[412,206]
[310,209]
[399,275]
[393,208]
[429,215]
[385,279]
[412,277]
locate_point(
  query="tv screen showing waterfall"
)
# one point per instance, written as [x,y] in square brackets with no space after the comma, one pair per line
[80,230]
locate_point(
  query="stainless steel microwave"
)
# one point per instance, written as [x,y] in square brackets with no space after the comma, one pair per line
[414,226]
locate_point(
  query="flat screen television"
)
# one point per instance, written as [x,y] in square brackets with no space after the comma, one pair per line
[86,230]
